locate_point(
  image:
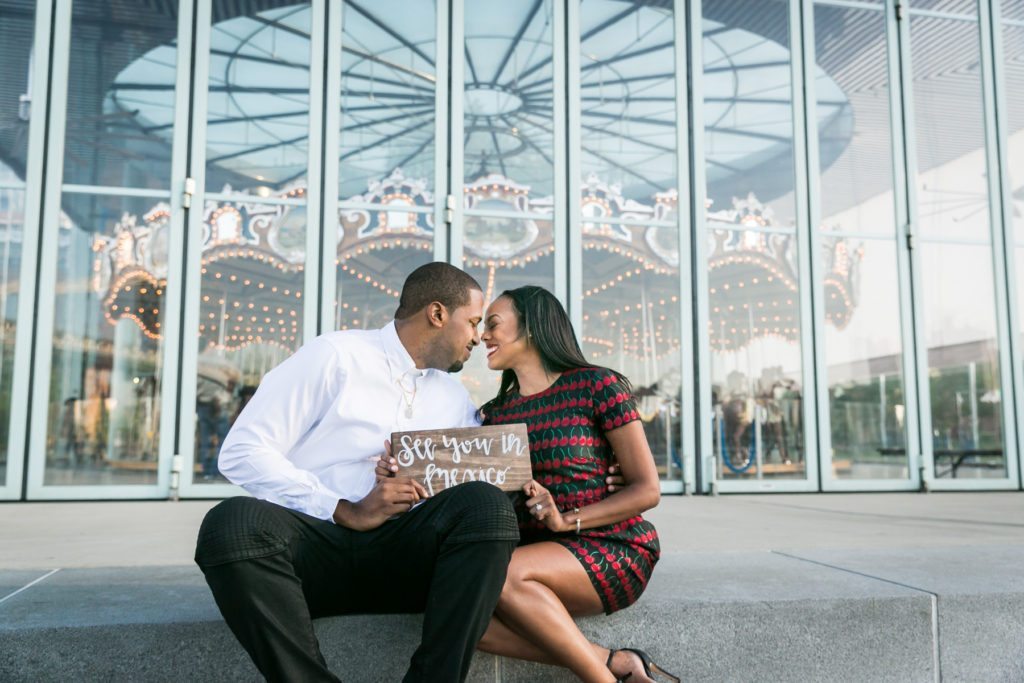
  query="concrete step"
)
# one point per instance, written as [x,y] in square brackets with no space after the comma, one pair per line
[832,615]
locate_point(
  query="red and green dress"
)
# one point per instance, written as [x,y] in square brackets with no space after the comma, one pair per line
[567,423]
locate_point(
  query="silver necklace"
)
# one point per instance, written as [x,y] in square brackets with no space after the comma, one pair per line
[408,396]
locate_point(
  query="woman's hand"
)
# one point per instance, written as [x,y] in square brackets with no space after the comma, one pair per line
[386,466]
[542,506]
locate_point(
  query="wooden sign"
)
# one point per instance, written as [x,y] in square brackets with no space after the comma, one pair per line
[442,458]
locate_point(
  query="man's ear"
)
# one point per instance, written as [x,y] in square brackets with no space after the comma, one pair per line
[437,314]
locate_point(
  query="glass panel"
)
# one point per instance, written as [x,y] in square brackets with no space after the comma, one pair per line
[104,394]
[863,359]
[120,115]
[859,277]
[387,156]
[631,270]
[1013,93]
[388,86]
[756,369]
[16,35]
[952,193]
[250,311]
[508,153]
[754,286]
[257,128]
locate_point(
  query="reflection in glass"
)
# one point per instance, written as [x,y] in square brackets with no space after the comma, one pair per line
[250,311]
[12,223]
[104,396]
[631,264]
[952,193]
[1013,86]
[754,328]
[864,361]
[120,92]
[754,286]
[507,95]
[508,154]
[858,276]
[16,35]
[388,83]
[257,124]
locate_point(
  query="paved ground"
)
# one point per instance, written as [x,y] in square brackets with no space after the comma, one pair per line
[824,587]
[128,534]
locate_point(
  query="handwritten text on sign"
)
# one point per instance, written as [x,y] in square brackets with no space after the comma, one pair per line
[442,458]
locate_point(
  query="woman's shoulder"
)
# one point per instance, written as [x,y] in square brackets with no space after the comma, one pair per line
[597,376]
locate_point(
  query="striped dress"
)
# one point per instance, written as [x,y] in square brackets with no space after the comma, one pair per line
[570,457]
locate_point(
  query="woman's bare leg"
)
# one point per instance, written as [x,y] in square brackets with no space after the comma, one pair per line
[545,586]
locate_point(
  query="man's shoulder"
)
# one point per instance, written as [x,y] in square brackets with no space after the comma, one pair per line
[346,340]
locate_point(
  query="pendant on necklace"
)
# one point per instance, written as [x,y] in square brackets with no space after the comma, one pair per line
[408,411]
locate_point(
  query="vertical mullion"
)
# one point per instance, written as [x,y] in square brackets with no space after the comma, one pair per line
[816,283]
[193,255]
[1008,233]
[21,379]
[998,229]
[559,220]
[705,466]
[456,143]
[923,457]
[804,231]
[48,247]
[688,412]
[900,184]
[443,124]
[311,305]
[574,151]
[332,153]
[174,290]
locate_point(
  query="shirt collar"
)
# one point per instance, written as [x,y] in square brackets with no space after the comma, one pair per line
[400,363]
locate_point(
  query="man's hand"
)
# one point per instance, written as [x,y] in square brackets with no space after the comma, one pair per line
[615,480]
[386,466]
[388,498]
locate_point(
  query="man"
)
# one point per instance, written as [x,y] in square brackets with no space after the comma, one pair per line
[321,536]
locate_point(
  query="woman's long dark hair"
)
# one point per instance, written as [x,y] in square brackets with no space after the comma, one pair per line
[547,328]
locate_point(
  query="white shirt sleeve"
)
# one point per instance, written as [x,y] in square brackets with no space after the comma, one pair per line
[291,399]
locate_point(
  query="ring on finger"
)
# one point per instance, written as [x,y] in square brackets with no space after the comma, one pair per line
[538,507]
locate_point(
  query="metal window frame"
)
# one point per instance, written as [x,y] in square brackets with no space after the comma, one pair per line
[705,480]
[809,481]
[828,481]
[997,230]
[53,191]
[11,486]
[688,411]
[313,305]
[1001,122]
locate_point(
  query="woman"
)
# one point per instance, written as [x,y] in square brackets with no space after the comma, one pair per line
[582,552]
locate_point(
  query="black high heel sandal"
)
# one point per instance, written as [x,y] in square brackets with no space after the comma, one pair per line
[650,667]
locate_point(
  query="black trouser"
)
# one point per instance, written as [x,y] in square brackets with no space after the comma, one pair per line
[272,570]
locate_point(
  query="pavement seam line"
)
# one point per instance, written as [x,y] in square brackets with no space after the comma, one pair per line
[855,513]
[29,585]
[934,597]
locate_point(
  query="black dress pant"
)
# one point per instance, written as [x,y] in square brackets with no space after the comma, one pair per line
[272,570]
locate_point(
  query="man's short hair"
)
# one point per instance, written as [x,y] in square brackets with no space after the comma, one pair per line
[437,281]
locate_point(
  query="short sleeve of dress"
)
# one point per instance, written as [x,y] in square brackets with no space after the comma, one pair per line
[614,404]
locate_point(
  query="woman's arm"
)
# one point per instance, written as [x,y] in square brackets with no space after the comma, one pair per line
[629,443]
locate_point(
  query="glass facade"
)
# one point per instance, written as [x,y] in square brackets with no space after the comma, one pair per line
[793,225]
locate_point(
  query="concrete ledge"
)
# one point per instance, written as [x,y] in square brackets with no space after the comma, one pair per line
[821,616]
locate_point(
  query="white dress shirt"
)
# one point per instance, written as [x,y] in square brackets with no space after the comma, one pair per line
[310,433]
